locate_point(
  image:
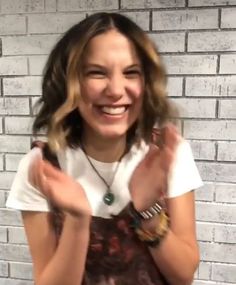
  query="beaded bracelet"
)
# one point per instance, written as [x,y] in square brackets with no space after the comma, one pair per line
[154,238]
[151,238]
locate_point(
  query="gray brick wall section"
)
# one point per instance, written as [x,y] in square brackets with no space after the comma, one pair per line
[198,42]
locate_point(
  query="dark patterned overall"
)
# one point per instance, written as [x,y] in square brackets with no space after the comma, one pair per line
[115,254]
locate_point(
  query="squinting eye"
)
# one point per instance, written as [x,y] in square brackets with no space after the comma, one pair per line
[132,73]
[95,73]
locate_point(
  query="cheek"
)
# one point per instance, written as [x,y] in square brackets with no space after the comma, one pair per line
[91,91]
[137,89]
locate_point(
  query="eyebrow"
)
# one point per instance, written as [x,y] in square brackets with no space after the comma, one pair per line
[95,65]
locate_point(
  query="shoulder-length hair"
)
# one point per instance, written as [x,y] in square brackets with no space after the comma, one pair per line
[58,114]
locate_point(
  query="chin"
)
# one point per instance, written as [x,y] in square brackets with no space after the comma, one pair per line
[112,134]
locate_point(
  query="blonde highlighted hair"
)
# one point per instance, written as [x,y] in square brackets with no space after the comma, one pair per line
[58,114]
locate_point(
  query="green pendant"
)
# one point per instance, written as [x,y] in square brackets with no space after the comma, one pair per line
[108,198]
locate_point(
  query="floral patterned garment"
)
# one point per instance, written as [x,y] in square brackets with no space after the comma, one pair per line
[115,255]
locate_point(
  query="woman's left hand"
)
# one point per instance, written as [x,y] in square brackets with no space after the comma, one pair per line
[148,183]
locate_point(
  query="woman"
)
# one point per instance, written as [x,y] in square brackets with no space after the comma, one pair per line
[111,202]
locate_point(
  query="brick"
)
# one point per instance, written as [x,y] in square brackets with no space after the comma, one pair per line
[140,18]
[225,233]
[190,64]
[1,162]
[205,282]
[204,270]
[227,150]
[50,5]
[3,237]
[13,252]
[17,235]
[0,125]
[228,64]
[147,4]
[227,109]
[8,281]
[224,86]
[175,86]
[225,193]
[2,199]
[224,272]
[12,161]
[12,25]
[214,212]
[3,269]
[13,66]
[84,5]
[212,41]
[217,252]
[21,6]
[195,108]
[185,19]
[10,218]
[204,231]
[204,150]
[14,106]
[14,144]
[37,64]
[52,23]
[6,179]
[220,172]
[228,18]
[18,125]
[203,3]
[28,45]
[21,270]
[169,42]
[29,85]
[219,130]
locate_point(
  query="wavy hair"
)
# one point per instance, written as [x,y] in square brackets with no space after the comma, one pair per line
[58,114]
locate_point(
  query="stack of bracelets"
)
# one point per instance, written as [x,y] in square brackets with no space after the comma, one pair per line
[153,238]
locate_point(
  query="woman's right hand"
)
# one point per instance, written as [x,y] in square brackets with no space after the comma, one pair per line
[61,189]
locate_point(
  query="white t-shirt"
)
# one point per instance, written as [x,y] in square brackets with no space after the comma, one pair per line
[183,177]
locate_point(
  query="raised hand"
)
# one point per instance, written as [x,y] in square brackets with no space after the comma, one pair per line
[59,188]
[148,183]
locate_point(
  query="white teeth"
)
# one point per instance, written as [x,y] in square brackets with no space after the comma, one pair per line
[113,111]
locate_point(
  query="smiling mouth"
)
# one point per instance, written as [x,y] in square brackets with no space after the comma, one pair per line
[113,110]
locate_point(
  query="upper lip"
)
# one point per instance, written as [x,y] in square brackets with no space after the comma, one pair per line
[113,105]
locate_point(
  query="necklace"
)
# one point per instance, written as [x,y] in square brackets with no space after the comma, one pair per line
[108,197]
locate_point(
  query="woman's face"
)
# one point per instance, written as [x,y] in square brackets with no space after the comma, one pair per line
[112,86]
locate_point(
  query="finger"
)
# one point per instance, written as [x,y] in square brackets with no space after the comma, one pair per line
[170,136]
[51,171]
[156,136]
[150,156]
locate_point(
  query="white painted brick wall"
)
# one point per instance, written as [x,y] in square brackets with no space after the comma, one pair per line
[12,25]
[228,63]
[197,40]
[212,41]
[30,85]
[130,4]
[13,66]
[35,44]
[185,19]
[48,23]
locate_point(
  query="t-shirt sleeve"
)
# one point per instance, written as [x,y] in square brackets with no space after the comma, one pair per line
[184,175]
[23,196]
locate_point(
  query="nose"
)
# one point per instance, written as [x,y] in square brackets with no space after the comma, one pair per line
[115,86]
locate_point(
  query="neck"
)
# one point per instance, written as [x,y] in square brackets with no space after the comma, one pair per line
[103,149]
